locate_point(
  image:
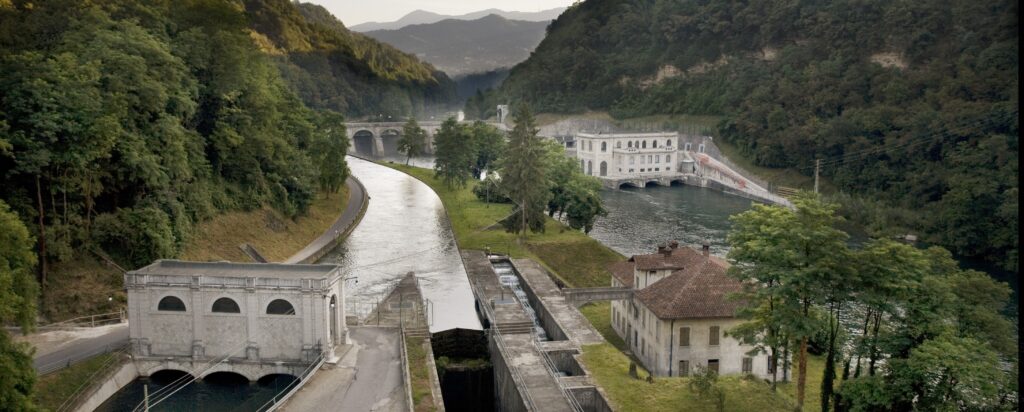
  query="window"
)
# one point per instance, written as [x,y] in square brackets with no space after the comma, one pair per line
[684,368]
[668,158]
[590,145]
[687,147]
[643,347]
[629,145]
[604,146]
[713,336]
[280,307]
[225,305]
[657,158]
[668,143]
[618,145]
[684,336]
[700,148]
[632,160]
[171,304]
[654,144]
[713,365]
[650,158]
[748,365]
[644,144]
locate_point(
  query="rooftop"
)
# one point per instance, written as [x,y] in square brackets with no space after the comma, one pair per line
[629,135]
[698,291]
[241,270]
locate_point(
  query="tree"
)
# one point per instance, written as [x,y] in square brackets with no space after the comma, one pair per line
[804,253]
[705,382]
[413,140]
[489,144]
[524,175]
[18,291]
[453,153]
[331,156]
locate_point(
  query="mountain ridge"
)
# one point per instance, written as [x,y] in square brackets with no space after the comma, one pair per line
[426,17]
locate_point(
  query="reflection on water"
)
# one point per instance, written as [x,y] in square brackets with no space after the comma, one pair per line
[405,229]
[217,392]
[639,219]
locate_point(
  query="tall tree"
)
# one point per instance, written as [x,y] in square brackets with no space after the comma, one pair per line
[18,291]
[413,140]
[524,174]
[331,156]
[489,144]
[453,154]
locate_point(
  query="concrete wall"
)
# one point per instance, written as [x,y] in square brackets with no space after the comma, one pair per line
[340,229]
[125,375]
[506,393]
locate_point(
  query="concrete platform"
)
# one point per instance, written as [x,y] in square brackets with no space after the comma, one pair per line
[542,388]
[569,319]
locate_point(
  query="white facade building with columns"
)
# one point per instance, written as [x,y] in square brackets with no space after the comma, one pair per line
[629,155]
[252,316]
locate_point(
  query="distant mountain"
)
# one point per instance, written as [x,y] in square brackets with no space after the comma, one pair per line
[426,17]
[460,47]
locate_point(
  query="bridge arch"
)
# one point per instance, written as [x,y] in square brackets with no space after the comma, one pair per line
[226,377]
[276,378]
[652,183]
[363,142]
[628,184]
[168,375]
[389,139]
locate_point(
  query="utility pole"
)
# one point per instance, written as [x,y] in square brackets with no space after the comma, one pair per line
[817,169]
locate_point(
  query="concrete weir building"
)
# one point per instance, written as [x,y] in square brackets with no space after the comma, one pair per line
[680,313]
[249,318]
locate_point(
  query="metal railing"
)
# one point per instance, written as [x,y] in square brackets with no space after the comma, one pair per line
[286,394]
[88,320]
[78,357]
[524,391]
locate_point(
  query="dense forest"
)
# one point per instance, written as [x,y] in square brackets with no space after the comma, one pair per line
[124,123]
[913,105]
[333,68]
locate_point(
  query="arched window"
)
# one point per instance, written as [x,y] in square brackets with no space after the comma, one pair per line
[668,143]
[171,304]
[668,158]
[225,305]
[590,145]
[604,169]
[604,146]
[583,164]
[629,144]
[654,144]
[618,144]
[643,145]
[280,307]
[590,168]
[687,147]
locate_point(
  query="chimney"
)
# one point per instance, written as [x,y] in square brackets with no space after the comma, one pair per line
[665,250]
[706,248]
[673,245]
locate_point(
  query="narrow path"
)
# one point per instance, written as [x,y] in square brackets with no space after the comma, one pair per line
[79,349]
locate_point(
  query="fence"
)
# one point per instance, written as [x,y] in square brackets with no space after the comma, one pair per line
[282,397]
[79,357]
[93,383]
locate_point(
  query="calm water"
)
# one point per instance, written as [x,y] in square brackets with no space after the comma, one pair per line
[218,392]
[405,229]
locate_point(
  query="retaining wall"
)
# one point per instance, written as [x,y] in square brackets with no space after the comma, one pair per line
[346,223]
[125,375]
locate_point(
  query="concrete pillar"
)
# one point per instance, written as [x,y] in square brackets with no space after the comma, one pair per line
[198,309]
[378,144]
[252,313]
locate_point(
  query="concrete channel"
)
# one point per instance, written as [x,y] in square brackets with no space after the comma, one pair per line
[534,335]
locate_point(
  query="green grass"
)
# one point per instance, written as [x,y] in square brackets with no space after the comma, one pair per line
[419,375]
[600,315]
[53,389]
[571,255]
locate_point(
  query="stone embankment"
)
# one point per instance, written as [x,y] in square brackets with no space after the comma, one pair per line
[349,219]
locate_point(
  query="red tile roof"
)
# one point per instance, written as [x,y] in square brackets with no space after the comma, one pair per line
[623,271]
[678,258]
[697,291]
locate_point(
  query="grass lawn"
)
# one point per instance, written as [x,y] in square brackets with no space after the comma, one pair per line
[577,259]
[273,235]
[53,389]
[419,375]
[600,315]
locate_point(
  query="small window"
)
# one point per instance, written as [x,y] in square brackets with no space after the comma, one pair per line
[684,368]
[713,336]
[618,145]
[225,305]
[644,144]
[668,143]
[687,147]
[650,159]
[171,304]
[629,145]
[657,158]
[700,148]
[668,158]
[604,146]
[280,307]
[684,336]
[654,144]
[713,365]
[748,365]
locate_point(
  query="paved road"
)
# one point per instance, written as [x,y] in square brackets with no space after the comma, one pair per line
[368,378]
[81,349]
[357,200]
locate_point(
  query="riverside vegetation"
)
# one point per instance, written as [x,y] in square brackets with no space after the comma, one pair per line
[912,104]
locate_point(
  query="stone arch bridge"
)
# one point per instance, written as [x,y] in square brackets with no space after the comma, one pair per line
[381,138]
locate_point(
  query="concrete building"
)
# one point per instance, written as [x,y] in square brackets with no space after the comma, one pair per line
[679,316]
[248,318]
[629,155]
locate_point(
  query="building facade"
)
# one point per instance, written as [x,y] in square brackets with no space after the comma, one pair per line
[246,314]
[680,314]
[630,155]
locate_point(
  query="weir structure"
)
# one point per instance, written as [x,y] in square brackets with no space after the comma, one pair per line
[251,319]
[534,370]
[379,138]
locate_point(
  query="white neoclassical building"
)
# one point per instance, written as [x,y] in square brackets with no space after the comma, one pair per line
[254,319]
[629,155]
[680,314]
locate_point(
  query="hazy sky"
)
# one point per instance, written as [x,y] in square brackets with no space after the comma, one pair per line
[352,12]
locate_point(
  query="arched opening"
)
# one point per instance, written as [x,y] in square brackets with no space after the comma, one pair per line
[171,304]
[654,144]
[629,144]
[167,376]
[226,305]
[618,144]
[225,378]
[279,381]
[643,145]
[390,138]
[363,141]
[280,307]
[668,143]
[583,164]
[652,183]
[678,183]
[590,168]
[604,146]
[604,168]
[627,185]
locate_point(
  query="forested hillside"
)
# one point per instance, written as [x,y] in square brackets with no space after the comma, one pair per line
[333,68]
[912,104]
[124,123]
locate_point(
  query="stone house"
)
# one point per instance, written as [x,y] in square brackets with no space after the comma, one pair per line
[680,314]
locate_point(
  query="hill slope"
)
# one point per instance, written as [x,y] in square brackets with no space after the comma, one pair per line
[913,104]
[333,68]
[460,47]
[426,17]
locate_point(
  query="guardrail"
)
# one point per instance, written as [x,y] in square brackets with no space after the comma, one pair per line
[93,383]
[90,321]
[283,397]
[77,358]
